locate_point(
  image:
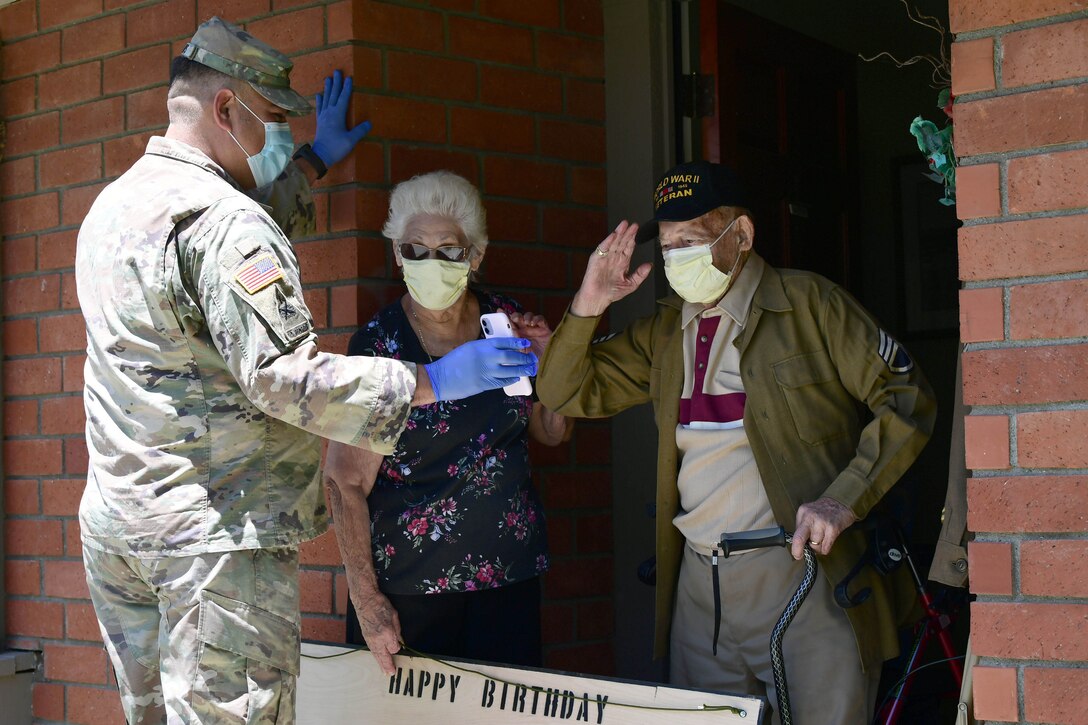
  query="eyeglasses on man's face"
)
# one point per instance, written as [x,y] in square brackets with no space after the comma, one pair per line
[449,253]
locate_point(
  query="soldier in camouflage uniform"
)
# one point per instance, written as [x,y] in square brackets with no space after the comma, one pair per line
[206,393]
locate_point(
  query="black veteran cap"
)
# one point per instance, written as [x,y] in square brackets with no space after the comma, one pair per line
[228,49]
[690,190]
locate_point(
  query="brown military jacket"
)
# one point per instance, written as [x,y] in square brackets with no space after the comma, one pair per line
[809,352]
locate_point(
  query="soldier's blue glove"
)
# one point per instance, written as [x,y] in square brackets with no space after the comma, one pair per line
[480,365]
[334,140]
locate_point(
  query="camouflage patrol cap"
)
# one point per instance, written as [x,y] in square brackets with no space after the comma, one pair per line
[228,49]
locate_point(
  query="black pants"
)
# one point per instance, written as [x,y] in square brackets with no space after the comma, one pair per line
[494,625]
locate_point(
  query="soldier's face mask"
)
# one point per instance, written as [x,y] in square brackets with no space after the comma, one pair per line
[691,272]
[272,159]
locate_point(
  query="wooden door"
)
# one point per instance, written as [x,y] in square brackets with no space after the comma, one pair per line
[786,121]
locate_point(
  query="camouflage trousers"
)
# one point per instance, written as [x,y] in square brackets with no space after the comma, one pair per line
[201,639]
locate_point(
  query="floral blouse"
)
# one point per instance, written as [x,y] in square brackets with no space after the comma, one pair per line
[453,508]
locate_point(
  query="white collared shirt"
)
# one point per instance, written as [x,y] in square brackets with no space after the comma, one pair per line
[719,484]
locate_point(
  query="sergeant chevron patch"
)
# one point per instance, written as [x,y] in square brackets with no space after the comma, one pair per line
[894,355]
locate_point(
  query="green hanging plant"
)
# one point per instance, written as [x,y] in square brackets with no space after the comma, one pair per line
[934,143]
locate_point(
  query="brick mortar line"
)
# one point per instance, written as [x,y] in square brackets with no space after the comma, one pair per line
[126,10]
[1034,664]
[60,27]
[383,92]
[482,105]
[78,435]
[1070,473]
[560,29]
[32,358]
[69,684]
[1006,537]
[1025,344]
[1033,343]
[443,55]
[1033,599]
[1006,313]
[997,156]
[1022,25]
[981,473]
[51,598]
[55,312]
[448,55]
[1025,216]
[391,142]
[1003,92]
[169,41]
[51,312]
[1003,186]
[367,233]
[1021,694]
[978,410]
[1014,441]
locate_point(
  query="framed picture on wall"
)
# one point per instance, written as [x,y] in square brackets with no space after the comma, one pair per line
[929,253]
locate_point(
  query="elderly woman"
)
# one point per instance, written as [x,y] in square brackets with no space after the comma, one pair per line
[443,541]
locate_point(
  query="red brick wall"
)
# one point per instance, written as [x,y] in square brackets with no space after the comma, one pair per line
[1019,70]
[506,92]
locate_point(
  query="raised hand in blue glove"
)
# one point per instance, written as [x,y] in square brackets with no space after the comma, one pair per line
[334,140]
[480,365]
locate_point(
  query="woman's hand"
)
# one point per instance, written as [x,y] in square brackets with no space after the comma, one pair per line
[381,628]
[533,328]
[608,276]
[349,475]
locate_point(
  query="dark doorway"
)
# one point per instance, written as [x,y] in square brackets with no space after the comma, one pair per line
[834,135]
[786,123]
[821,138]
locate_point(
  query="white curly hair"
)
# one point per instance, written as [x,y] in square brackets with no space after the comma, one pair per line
[438,193]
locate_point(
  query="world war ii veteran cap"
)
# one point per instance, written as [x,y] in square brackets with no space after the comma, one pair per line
[228,49]
[690,190]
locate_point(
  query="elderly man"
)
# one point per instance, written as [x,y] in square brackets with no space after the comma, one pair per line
[755,375]
[206,393]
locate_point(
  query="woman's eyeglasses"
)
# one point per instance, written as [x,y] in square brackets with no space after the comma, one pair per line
[449,253]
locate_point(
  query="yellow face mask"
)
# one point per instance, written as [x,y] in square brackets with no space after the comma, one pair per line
[435,283]
[691,272]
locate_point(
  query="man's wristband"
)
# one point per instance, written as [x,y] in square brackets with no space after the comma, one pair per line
[306,152]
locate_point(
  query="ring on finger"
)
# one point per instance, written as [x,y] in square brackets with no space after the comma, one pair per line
[601,252]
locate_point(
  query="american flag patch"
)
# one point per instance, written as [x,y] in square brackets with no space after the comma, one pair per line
[894,356]
[258,273]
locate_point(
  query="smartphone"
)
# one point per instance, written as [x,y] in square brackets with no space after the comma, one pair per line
[497,324]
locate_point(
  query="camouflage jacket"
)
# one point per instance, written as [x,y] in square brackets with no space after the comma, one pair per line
[205,391]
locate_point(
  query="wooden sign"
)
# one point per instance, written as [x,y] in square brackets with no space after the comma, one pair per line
[341,684]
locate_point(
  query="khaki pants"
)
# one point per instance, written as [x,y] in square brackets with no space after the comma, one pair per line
[823,669]
[201,639]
